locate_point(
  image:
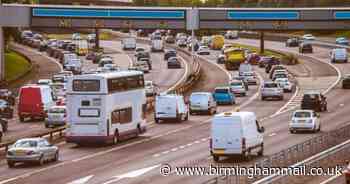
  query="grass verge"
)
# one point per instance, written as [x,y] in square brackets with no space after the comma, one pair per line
[15,66]
[103,36]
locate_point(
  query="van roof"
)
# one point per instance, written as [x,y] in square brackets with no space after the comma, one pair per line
[200,93]
[241,114]
[35,86]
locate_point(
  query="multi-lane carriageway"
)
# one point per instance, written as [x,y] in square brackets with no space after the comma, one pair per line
[180,144]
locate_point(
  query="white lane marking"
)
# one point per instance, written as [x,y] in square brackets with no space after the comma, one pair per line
[174,149]
[183,78]
[156,155]
[81,180]
[165,152]
[132,174]
[341,105]
[331,179]
[272,134]
[290,101]
[189,144]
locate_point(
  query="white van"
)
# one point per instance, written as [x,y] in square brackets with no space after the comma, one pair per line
[129,43]
[236,133]
[68,57]
[202,102]
[74,65]
[245,67]
[157,44]
[339,54]
[170,107]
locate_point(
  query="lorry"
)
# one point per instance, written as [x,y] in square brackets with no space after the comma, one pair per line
[129,43]
[82,47]
[217,42]
[234,57]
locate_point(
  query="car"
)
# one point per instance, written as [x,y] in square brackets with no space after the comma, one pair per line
[305,120]
[149,88]
[305,48]
[279,76]
[105,60]
[250,77]
[170,107]
[231,35]
[308,37]
[224,95]
[181,43]
[141,33]
[236,134]
[243,79]
[110,67]
[339,54]
[174,62]
[270,89]
[146,60]
[274,68]
[285,84]
[314,100]
[346,82]
[342,41]
[91,38]
[253,58]
[33,150]
[6,111]
[56,116]
[196,46]
[143,55]
[202,102]
[44,82]
[7,95]
[3,125]
[128,43]
[76,36]
[169,39]
[221,59]
[97,57]
[169,53]
[238,87]
[292,42]
[142,65]
[203,50]
[265,60]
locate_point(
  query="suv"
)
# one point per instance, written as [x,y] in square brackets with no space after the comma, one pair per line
[272,90]
[314,101]
[305,47]
[292,42]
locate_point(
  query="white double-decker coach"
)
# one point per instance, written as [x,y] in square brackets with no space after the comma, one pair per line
[105,107]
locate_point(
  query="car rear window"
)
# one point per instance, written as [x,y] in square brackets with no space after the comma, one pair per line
[221,90]
[26,144]
[270,85]
[199,97]
[57,110]
[302,114]
[310,96]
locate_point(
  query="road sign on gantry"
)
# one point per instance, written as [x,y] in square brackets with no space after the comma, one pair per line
[87,17]
[275,18]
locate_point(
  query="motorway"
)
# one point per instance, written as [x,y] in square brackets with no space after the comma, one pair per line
[175,144]
[186,144]
[45,67]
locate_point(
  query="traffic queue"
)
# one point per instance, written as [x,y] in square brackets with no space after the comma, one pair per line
[63,100]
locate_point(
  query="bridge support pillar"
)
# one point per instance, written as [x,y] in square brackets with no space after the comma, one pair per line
[2,55]
[97,39]
[262,45]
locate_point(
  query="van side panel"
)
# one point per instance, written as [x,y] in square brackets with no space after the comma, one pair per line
[30,102]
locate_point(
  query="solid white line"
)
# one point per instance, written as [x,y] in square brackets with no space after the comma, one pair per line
[331,179]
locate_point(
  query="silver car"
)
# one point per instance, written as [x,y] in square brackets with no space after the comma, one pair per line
[56,116]
[37,150]
[271,90]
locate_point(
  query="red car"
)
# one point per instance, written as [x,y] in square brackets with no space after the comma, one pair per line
[253,58]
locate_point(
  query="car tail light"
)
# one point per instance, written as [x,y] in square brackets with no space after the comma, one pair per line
[243,143]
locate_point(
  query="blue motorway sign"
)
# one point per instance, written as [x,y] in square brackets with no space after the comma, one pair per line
[263,15]
[108,13]
[342,15]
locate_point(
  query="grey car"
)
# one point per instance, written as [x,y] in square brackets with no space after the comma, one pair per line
[31,150]
[56,116]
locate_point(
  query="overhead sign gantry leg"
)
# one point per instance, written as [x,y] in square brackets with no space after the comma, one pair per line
[2,55]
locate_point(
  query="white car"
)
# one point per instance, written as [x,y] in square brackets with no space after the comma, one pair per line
[249,77]
[309,37]
[305,120]
[76,36]
[44,81]
[238,87]
[110,67]
[203,50]
[149,88]
[91,37]
[285,84]
[202,102]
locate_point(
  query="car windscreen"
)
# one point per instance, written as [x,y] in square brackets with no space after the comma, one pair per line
[270,85]
[236,83]
[221,90]
[198,98]
[302,114]
[280,75]
[310,96]
[26,144]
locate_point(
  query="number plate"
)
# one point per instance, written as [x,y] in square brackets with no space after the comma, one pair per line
[219,151]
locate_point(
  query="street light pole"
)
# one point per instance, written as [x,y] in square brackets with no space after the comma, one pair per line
[192,40]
